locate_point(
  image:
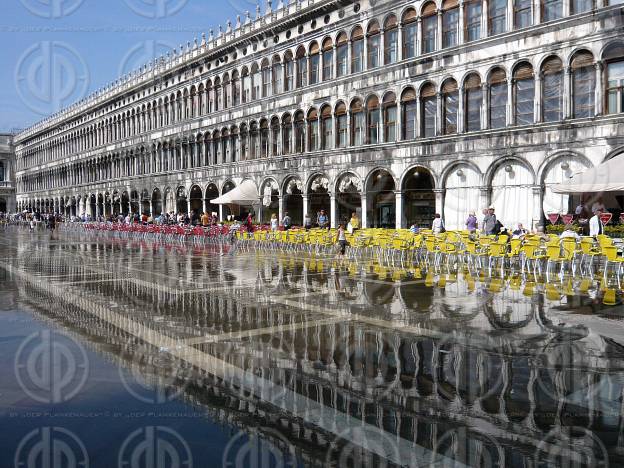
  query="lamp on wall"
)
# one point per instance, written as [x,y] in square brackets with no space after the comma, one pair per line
[565,166]
[460,173]
[508,168]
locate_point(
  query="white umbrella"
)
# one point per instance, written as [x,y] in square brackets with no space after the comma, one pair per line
[607,177]
[244,194]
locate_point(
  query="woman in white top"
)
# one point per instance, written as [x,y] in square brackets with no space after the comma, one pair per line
[438,224]
[274,222]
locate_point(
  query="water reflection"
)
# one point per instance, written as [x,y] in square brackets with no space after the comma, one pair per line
[349,364]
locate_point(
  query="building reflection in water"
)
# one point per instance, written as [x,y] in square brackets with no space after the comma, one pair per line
[479,371]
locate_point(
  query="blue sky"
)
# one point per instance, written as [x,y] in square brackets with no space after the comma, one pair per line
[56,51]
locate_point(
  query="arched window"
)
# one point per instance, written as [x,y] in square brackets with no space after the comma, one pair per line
[357,123]
[342,55]
[302,68]
[523,94]
[551,10]
[474,100]
[216,142]
[410,34]
[2,173]
[580,6]
[266,78]
[264,138]
[313,130]
[278,73]
[256,79]
[209,99]
[357,50]
[472,20]
[409,109]
[429,27]
[275,136]
[328,59]
[498,98]
[374,45]
[289,69]
[327,128]
[225,142]
[522,13]
[497,16]
[286,134]
[614,78]
[391,40]
[428,110]
[583,85]
[552,90]
[315,63]
[342,126]
[450,106]
[450,23]
[390,118]
[372,120]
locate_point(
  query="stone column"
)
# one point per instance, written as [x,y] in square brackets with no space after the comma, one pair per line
[510,103]
[304,198]
[510,15]
[419,36]
[400,54]
[364,219]
[398,200]
[260,209]
[419,114]
[537,100]
[485,106]
[281,208]
[460,35]
[461,118]
[484,19]
[439,200]
[567,93]
[484,197]
[537,206]
[599,104]
[438,124]
[188,206]
[439,31]
[332,209]
[349,57]
[382,46]
[220,213]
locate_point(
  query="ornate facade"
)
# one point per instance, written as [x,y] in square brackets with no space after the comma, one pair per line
[7,171]
[396,109]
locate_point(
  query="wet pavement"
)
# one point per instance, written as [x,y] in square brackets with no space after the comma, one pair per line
[118,353]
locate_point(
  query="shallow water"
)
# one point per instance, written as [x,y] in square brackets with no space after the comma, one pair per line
[125,352]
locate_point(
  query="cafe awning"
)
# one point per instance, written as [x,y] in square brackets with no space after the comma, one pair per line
[244,194]
[607,177]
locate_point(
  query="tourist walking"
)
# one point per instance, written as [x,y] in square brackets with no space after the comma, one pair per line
[354,222]
[274,222]
[472,224]
[287,221]
[322,220]
[489,222]
[596,227]
[438,224]
[341,239]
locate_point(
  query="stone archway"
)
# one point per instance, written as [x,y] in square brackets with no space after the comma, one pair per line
[512,185]
[348,197]
[157,203]
[318,196]
[462,191]
[293,200]
[212,192]
[419,204]
[196,197]
[228,210]
[181,200]
[381,200]
[145,202]
[270,201]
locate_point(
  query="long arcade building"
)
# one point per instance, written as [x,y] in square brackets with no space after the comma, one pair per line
[395,109]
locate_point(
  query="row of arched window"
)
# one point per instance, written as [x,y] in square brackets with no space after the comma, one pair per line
[380,42]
